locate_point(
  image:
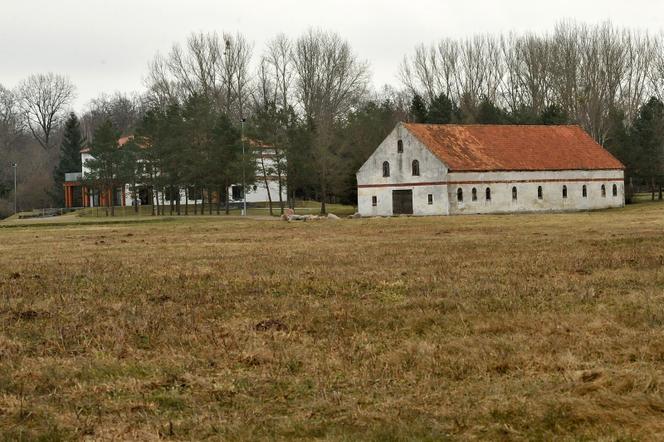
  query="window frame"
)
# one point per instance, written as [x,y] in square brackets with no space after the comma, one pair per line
[386,169]
[487,194]
[430,199]
[399,145]
[473,194]
[540,193]
[584,191]
[515,194]
[603,191]
[564,191]
[614,190]
[415,167]
[459,195]
[374,201]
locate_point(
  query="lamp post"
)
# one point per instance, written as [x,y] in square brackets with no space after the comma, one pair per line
[244,176]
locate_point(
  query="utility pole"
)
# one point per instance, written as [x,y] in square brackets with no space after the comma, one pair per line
[244,176]
[15,166]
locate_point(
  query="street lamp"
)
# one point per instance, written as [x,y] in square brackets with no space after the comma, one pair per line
[244,176]
[15,166]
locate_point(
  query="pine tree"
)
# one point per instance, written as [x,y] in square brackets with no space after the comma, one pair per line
[418,109]
[442,110]
[489,113]
[106,167]
[648,137]
[619,142]
[70,156]
[554,114]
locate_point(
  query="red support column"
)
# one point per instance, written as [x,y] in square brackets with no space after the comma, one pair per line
[66,190]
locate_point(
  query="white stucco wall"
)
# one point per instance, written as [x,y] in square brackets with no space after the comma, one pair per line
[435,179]
[552,183]
[85,157]
[259,194]
[432,170]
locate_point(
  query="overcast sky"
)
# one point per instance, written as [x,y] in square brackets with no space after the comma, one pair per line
[105,45]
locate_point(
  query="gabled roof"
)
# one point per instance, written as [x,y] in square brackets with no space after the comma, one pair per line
[121,142]
[513,148]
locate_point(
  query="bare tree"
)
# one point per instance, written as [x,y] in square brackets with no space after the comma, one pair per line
[235,75]
[123,110]
[215,66]
[44,100]
[330,80]
[10,119]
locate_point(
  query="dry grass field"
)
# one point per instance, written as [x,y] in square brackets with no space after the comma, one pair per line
[530,327]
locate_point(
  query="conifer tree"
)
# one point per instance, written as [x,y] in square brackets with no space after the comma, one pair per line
[70,156]
[442,110]
[418,109]
[107,169]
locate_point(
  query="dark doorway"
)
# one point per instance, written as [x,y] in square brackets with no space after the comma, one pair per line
[402,202]
[145,195]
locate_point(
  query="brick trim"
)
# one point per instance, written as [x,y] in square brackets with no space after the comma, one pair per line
[458,183]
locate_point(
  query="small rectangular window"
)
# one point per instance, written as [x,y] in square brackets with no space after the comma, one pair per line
[399,146]
[374,201]
[238,192]
[430,199]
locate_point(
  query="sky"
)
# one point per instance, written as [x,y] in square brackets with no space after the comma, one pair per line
[104,46]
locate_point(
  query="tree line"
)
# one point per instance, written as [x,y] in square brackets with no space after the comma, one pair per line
[311,98]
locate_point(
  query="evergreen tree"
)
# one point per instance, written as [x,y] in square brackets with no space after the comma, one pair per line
[70,156]
[524,115]
[442,110]
[489,113]
[619,142]
[648,137]
[418,110]
[554,114]
[107,169]
[231,166]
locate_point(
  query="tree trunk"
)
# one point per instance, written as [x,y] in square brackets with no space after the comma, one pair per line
[227,198]
[267,185]
[323,191]
[134,194]
[110,201]
[652,187]
[195,203]
[281,200]
[178,204]
[152,201]
[219,202]
[209,202]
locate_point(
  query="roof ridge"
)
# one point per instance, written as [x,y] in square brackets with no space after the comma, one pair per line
[491,124]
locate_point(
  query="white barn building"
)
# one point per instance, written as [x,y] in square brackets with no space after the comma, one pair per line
[425,169]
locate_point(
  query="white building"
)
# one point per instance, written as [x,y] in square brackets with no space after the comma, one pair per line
[425,169]
[76,195]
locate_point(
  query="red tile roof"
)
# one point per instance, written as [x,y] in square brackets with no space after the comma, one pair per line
[121,142]
[514,148]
